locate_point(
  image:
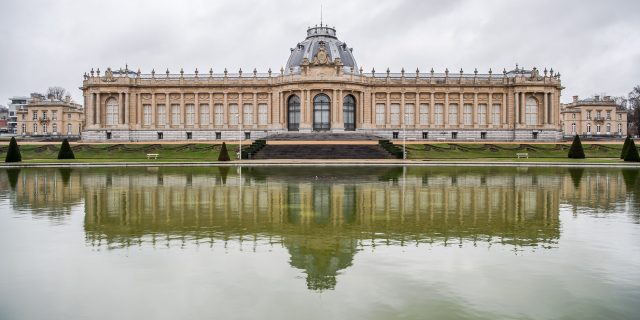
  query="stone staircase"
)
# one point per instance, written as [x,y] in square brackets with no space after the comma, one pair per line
[323,151]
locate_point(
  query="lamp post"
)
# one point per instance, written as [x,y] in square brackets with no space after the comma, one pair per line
[404,137]
[239,154]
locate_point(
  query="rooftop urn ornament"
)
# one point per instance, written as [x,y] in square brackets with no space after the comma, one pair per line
[282,71]
[225,72]
[475,71]
[446,72]
[138,73]
[210,72]
[255,72]
[240,73]
[545,72]
[181,73]
[388,71]
[167,72]
[551,72]
[98,72]
[196,72]
[373,72]
[402,71]
[84,76]
[361,70]
[126,68]
[269,72]
[92,72]
[417,73]
[153,73]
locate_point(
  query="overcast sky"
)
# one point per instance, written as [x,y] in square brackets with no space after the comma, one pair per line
[593,44]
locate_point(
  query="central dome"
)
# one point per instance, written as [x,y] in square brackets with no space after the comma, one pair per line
[316,38]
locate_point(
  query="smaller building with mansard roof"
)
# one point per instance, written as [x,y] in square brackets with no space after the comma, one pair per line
[594,117]
[321,88]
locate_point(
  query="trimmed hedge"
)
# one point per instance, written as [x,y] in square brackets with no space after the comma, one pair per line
[65,151]
[625,147]
[632,154]
[224,154]
[13,153]
[576,151]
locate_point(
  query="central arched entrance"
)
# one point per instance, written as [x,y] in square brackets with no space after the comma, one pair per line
[293,107]
[321,112]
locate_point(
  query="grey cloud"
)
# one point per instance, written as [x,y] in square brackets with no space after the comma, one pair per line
[593,44]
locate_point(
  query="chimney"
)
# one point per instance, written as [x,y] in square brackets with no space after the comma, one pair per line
[575,99]
[597,98]
[607,98]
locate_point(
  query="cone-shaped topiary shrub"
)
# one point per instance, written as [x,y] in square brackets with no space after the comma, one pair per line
[632,153]
[13,154]
[576,151]
[625,147]
[224,154]
[65,151]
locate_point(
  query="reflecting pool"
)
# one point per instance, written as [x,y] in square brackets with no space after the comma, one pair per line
[337,242]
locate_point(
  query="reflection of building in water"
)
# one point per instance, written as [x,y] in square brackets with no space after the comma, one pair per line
[322,219]
[45,191]
[597,189]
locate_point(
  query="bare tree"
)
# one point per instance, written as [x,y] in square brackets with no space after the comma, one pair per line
[56,93]
[634,108]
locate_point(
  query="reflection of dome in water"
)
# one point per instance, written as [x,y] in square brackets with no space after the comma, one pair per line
[321,261]
[317,38]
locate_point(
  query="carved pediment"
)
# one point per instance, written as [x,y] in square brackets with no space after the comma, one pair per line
[108,76]
[322,56]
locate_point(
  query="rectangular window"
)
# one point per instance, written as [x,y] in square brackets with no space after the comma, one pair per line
[424,114]
[496,113]
[233,114]
[35,115]
[619,117]
[24,128]
[395,134]
[189,135]
[108,135]
[175,114]
[598,115]
[439,113]
[191,114]
[218,135]
[44,128]
[161,111]
[395,114]
[247,111]
[534,135]
[409,114]
[160,136]
[54,128]
[483,135]
[44,115]
[482,114]
[218,110]
[35,128]
[588,115]
[468,115]
[146,114]
[247,135]
[204,114]
[69,129]
[54,115]
[380,114]
[262,114]
[69,116]
[453,113]
[425,135]
[454,135]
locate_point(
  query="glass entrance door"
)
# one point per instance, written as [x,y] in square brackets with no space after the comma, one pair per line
[321,113]
[349,110]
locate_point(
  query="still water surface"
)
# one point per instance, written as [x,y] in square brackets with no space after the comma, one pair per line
[320,243]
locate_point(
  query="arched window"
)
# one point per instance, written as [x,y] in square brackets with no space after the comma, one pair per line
[321,112]
[112,111]
[531,111]
[349,109]
[293,113]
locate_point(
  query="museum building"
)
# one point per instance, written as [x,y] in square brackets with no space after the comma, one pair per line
[321,88]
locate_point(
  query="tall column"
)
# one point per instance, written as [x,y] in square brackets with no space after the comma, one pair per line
[120,108]
[153,110]
[196,109]
[269,110]
[90,107]
[504,113]
[516,99]
[256,110]
[240,109]
[387,110]
[139,109]
[432,107]
[126,108]
[489,110]
[168,112]
[474,113]
[545,109]
[281,107]
[522,107]
[225,108]
[416,110]
[554,113]
[402,110]
[98,109]
[446,108]
[182,110]
[211,110]
[360,115]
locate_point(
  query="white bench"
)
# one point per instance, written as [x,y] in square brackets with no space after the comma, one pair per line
[152,155]
[522,155]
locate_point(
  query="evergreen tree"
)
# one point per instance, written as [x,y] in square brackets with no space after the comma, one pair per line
[625,147]
[224,154]
[576,151]
[65,151]
[632,153]
[13,153]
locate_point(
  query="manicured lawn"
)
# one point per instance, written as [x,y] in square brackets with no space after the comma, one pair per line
[123,152]
[543,152]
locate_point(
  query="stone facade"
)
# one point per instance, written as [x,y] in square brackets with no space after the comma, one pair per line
[322,89]
[51,118]
[594,117]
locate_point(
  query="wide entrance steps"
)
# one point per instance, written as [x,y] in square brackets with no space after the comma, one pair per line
[323,151]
